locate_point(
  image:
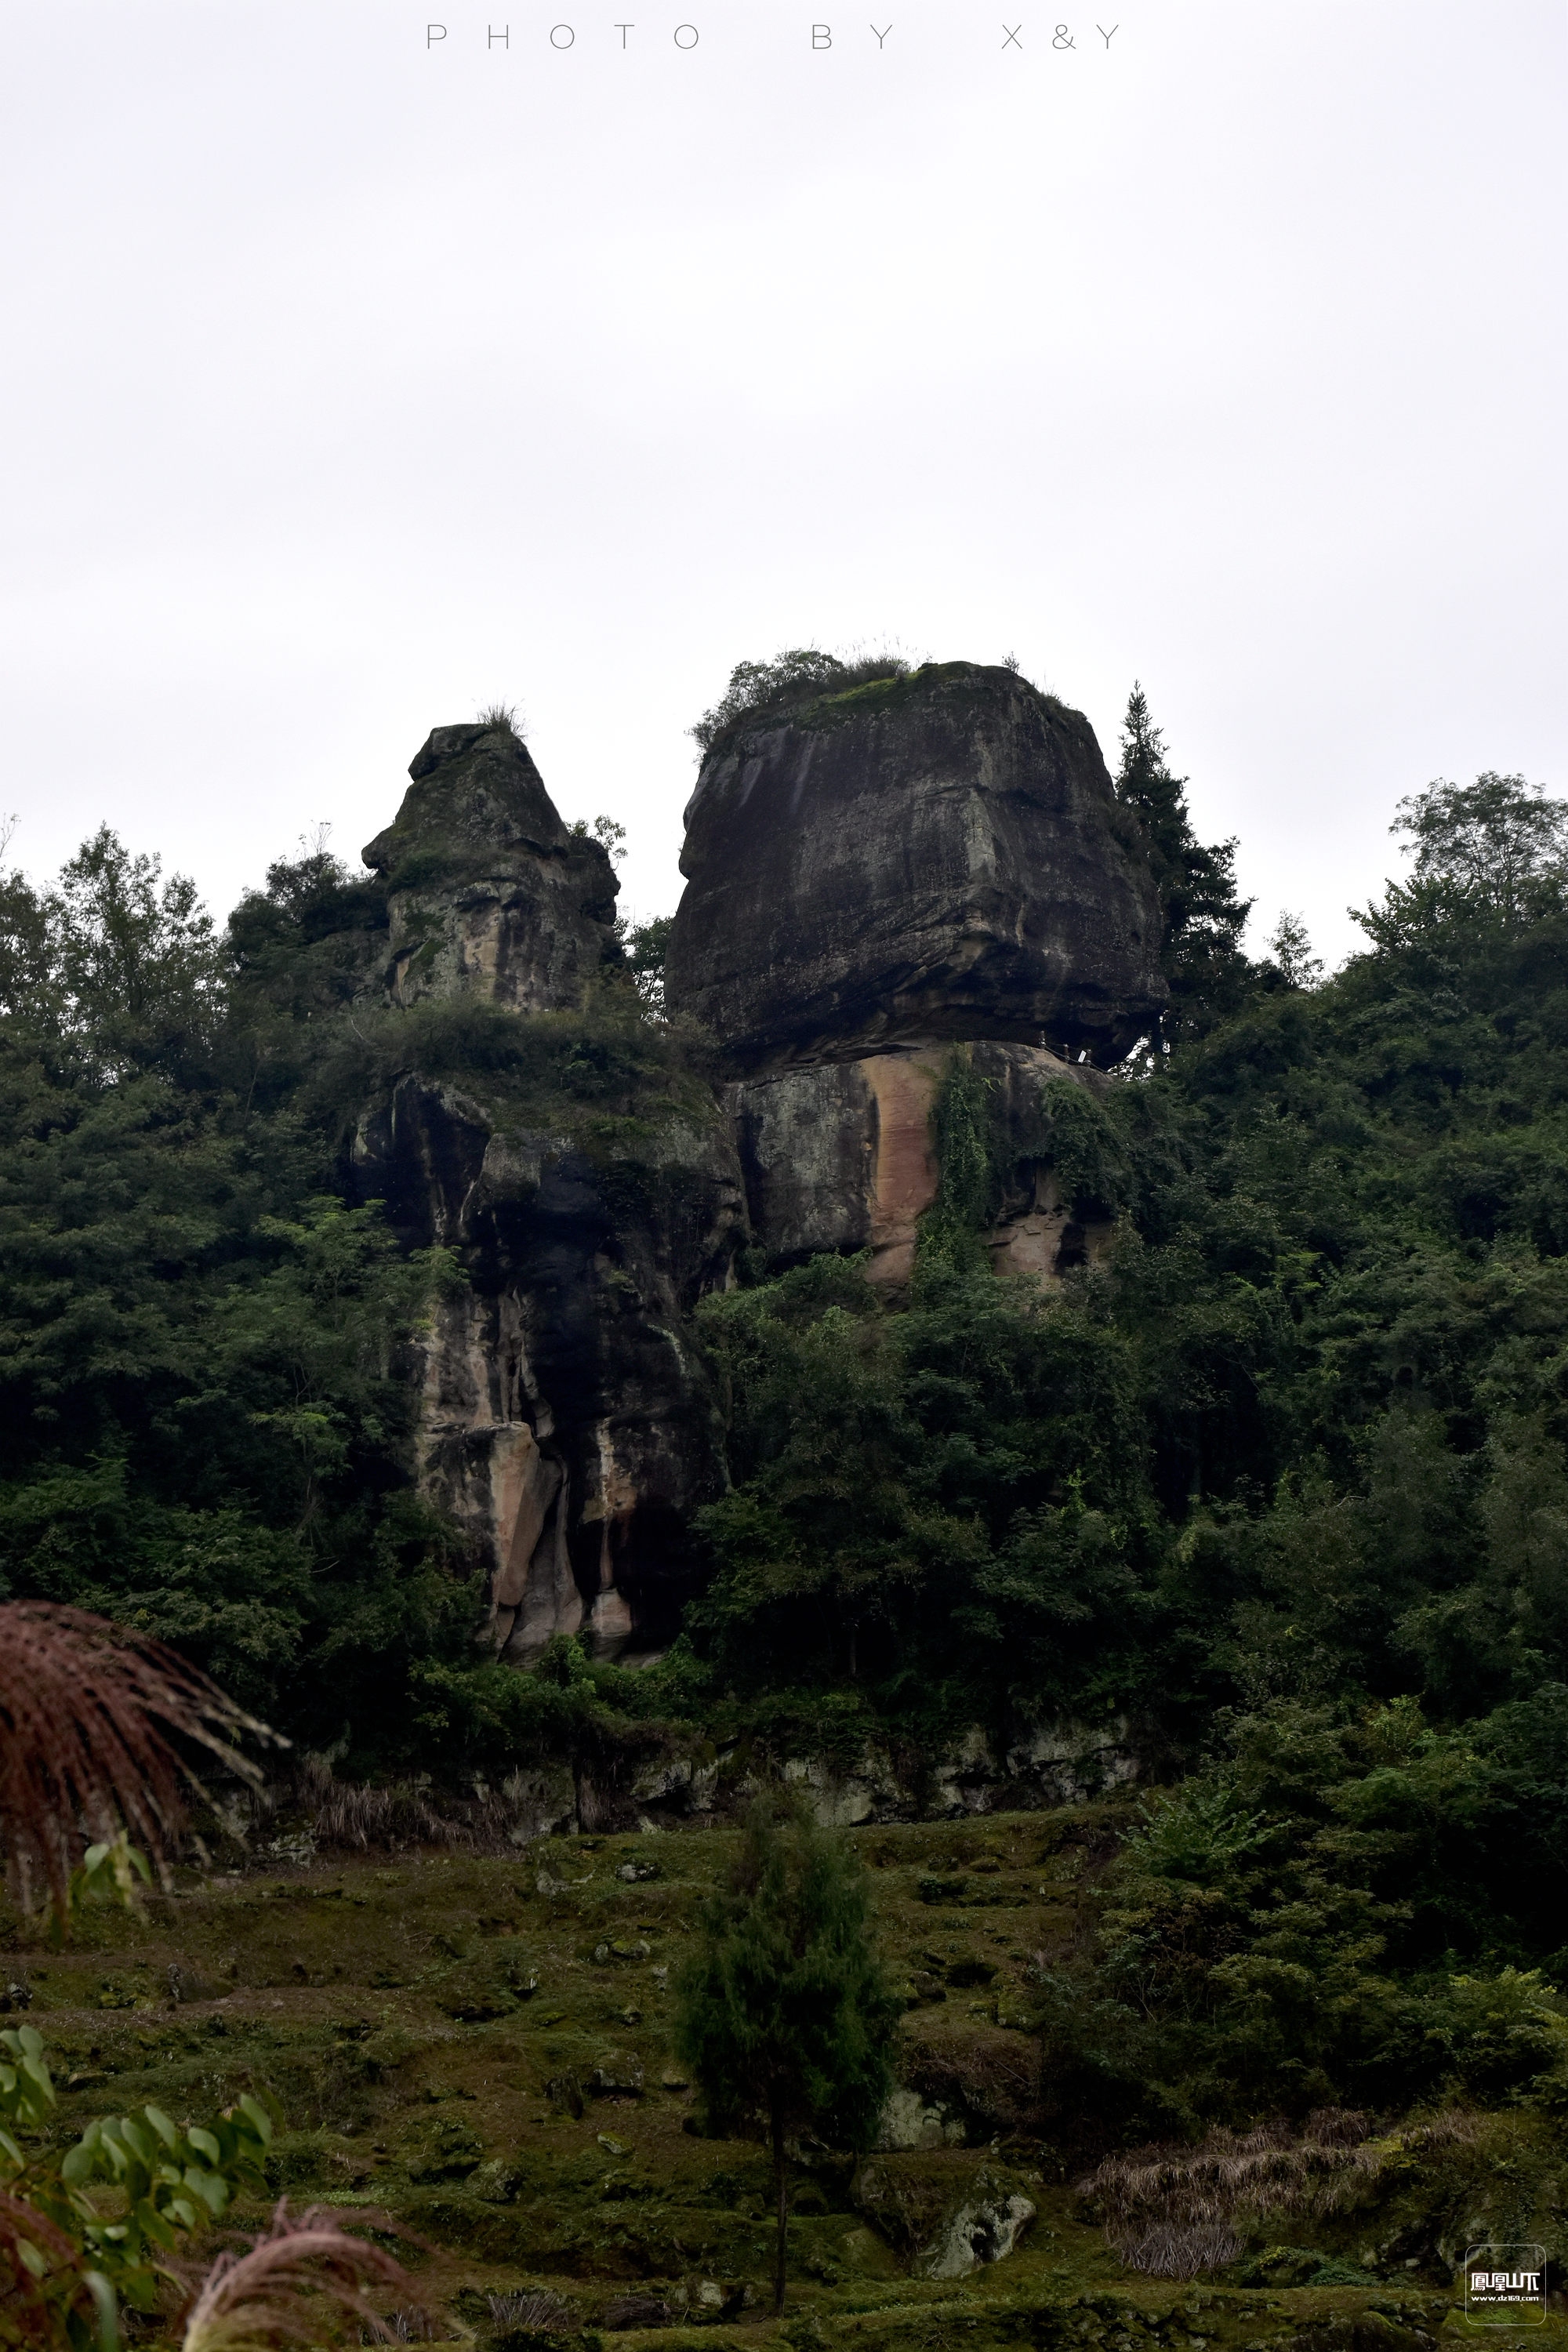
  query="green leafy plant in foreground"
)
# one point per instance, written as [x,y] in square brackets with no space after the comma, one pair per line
[114,1870]
[85,2229]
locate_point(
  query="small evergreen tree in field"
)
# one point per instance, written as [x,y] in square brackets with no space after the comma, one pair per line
[785,2013]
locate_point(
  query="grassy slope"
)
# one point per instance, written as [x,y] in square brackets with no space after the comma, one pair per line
[356,1997]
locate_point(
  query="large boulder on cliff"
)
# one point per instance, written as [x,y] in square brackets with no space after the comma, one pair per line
[929,856]
[489,894]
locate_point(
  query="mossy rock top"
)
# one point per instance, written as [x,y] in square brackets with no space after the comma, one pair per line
[820,703]
[954,682]
[477,808]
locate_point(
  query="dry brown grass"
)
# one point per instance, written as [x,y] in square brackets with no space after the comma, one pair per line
[357,1816]
[1173,2211]
[84,1713]
[1180,2250]
[411,2327]
[317,1811]
[531,2309]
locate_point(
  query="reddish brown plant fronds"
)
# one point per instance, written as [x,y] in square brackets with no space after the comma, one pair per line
[273,2295]
[41,2275]
[84,1714]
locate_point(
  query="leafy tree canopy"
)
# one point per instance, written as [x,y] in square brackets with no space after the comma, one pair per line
[756,686]
[1491,852]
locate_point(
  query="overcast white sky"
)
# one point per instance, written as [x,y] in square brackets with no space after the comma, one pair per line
[353,381]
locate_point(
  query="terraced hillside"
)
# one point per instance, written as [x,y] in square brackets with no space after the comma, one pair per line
[478,2047]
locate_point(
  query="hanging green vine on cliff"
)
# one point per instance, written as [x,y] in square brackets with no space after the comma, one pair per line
[968,1179]
[1090,1152]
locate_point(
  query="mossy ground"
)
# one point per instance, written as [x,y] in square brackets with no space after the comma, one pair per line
[480,2046]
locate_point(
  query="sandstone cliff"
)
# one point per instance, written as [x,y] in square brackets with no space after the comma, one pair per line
[567,1425]
[925,857]
[587,1182]
[842,1157]
[924,866]
[489,893]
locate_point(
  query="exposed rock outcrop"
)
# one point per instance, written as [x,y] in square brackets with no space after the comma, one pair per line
[1062,1763]
[985,2228]
[908,2121]
[567,1424]
[842,1157]
[699,1781]
[933,856]
[881,879]
[591,1192]
[489,893]
[948,2214]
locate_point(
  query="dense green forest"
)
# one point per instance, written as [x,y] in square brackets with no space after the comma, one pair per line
[1280,1485]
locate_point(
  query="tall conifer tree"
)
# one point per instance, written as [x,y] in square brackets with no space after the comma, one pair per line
[1202,917]
[785,2014]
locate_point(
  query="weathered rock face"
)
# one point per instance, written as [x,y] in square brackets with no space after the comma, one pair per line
[1061,1763]
[947,2213]
[842,1157]
[878,880]
[922,858]
[567,1426]
[489,893]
